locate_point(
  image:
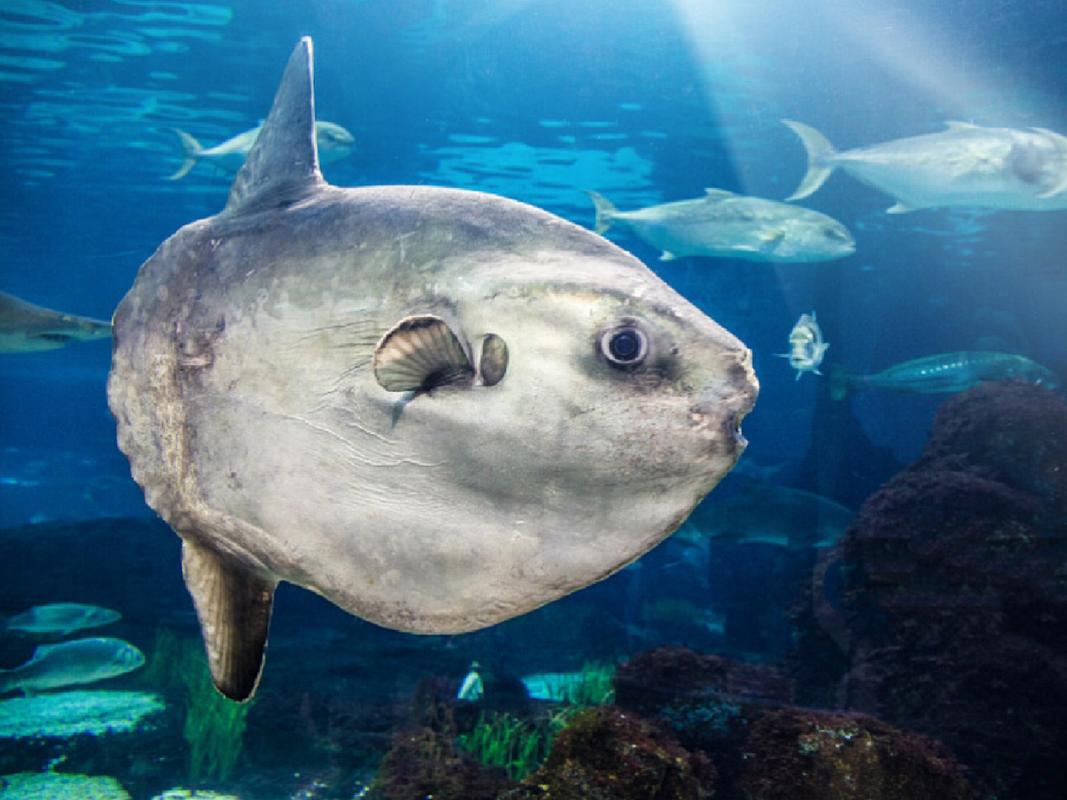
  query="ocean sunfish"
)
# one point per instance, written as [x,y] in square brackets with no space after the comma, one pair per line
[334,142]
[59,619]
[964,165]
[944,373]
[26,328]
[722,224]
[72,663]
[437,408]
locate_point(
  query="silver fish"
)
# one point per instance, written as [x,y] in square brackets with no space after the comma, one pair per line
[770,514]
[472,689]
[72,663]
[60,618]
[943,373]
[333,141]
[437,408]
[964,165]
[27,328]
[726,225]
[806,346]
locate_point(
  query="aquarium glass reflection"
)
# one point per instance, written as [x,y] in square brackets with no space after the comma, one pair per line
[449,422]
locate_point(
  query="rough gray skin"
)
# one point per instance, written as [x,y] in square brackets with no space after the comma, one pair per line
[27,328]
[246,402]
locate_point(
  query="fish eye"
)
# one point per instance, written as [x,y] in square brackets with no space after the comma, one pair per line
[834,233]
[624,346]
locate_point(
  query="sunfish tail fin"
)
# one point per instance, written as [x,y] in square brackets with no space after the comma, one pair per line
[233,606]
[191,148]
[841,382]
[605,211]
[820,159]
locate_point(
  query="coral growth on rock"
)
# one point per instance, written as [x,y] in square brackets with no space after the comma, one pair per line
[425,763]
[78,712]
[608,754]
[955,592]
[796,754]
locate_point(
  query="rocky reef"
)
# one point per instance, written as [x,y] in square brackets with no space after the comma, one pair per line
[798,754]
[953,614]
[608,754]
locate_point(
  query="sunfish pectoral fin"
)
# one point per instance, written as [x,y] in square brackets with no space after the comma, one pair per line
[820,158]
[283,164]
[421,353]
[233,606]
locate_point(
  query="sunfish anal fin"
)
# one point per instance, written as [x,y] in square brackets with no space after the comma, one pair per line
[233,606]
[283,164]
[420,353]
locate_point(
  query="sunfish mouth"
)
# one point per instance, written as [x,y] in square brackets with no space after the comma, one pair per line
[724,404]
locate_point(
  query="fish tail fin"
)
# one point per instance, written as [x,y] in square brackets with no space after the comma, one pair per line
[841,382]
[605,211]
[191,148]
[820,158]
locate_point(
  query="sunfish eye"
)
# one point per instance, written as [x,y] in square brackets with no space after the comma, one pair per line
[624,346]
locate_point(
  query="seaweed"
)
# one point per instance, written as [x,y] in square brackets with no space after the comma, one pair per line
[214,726]
[517,746]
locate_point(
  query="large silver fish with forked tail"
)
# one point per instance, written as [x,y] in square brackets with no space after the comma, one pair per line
[963,165]
[28,328]
[72,663]
[59,619]
[437,408]
[332,140]
[722,224]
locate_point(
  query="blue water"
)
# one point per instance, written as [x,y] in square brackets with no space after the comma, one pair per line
[645,101]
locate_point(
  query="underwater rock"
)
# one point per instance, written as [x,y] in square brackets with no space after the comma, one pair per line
[608,754]
[955,592]
[795,754]
[704,700]
[652,680]
[1015,431]
[66,714]
[424,763]
[52,785]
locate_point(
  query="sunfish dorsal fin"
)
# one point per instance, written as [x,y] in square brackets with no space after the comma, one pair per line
[283,164]
[233,606]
